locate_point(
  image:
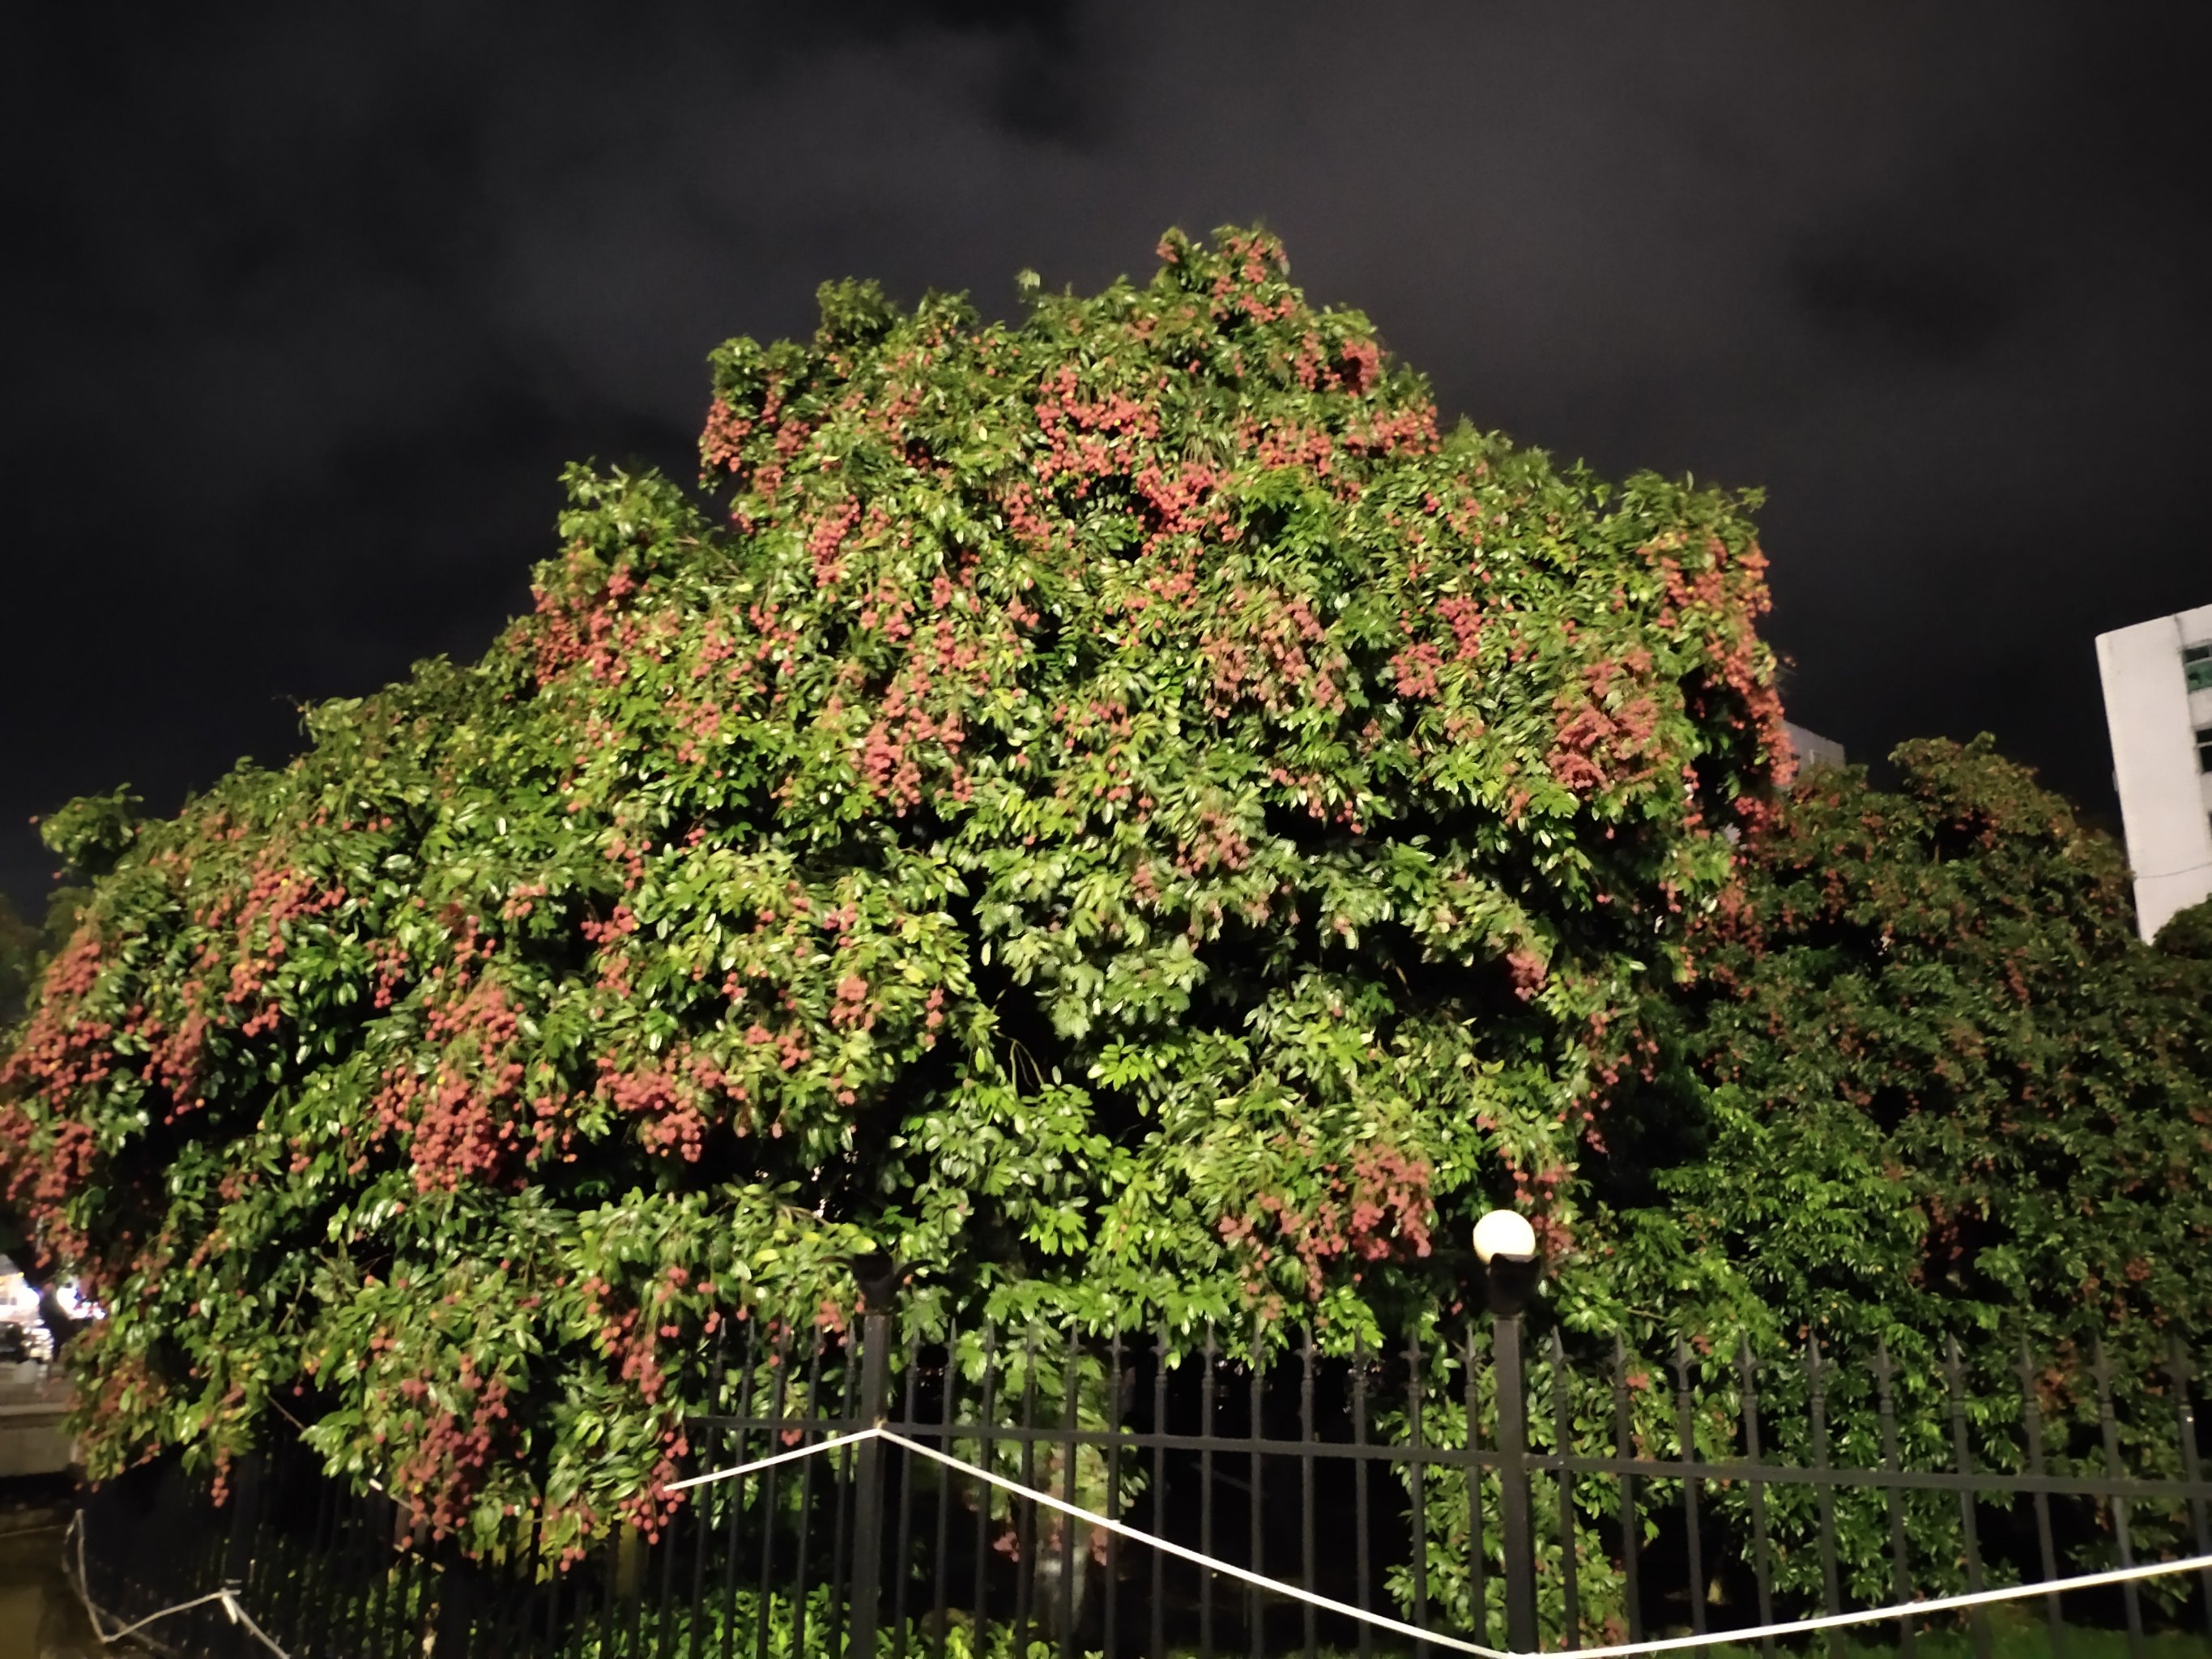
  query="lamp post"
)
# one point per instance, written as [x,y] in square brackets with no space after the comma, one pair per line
[1505,1244]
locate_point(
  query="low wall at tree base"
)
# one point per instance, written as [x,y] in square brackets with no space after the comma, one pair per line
[34,1402]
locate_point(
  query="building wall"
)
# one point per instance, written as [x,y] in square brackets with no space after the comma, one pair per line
[2159,761]
[1812,750]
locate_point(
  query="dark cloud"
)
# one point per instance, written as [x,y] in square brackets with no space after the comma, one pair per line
[1917,301]
[309,306]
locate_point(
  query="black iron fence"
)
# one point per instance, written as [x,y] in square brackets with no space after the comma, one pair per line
[1461,1488]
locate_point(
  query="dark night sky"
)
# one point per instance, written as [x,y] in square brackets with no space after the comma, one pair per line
[308,310]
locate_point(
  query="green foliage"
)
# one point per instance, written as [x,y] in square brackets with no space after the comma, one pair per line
[740,1626]
[1949,1089]
[2017,1629]
[26,947]
[19,954]
[2189,932]
[1116,809]
[1931,1089]
[93,831]
[1927,1086]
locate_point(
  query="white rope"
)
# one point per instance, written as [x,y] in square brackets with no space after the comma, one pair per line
[1617,1650]
[1223,1567]
[781,1457]
[997,1479]
[239,1615]
[224,1597]
[1903,1610]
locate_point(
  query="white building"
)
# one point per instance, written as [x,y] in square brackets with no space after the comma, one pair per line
[1812,750]
[2158,704]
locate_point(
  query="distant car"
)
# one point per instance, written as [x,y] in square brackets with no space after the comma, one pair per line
[14,1343]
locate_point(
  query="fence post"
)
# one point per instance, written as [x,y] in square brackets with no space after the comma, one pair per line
[1513,1478]
[868,1487]
[244,1518]
[1507,1248]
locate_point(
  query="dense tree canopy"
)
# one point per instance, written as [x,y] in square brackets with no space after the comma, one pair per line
[1115,810]
[19,947]
[1940,1087]
[1927,1087]
[25,946]
[2189,932]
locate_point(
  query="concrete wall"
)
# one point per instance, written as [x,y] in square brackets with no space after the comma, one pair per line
[2166,797]
[33,1400]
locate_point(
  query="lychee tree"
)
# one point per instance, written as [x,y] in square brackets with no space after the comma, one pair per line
[1115,810]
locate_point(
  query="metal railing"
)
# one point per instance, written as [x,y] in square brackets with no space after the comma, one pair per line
[1469,1489]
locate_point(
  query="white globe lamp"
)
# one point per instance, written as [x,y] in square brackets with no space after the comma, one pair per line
[1504,1236]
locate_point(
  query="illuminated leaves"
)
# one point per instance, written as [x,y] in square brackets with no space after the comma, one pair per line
[1117,809]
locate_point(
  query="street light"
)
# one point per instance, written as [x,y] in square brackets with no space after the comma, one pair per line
[1506,1233]
[1505,1244]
